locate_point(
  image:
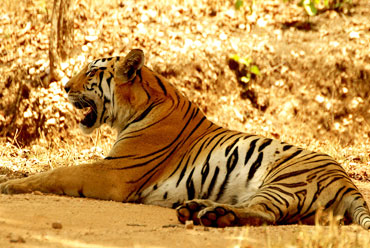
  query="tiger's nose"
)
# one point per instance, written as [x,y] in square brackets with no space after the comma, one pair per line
[67,88]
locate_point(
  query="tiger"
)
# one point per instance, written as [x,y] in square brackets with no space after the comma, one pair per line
[168,153]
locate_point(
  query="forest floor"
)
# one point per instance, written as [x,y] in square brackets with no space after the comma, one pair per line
[313,91]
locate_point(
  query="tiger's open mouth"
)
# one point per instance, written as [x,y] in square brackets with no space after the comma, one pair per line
[91,113]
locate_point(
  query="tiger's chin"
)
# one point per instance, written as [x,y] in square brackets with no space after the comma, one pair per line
[85,129]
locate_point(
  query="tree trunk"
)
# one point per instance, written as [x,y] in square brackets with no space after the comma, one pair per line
[61,36]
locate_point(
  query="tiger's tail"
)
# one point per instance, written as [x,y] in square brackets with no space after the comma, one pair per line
[359,211]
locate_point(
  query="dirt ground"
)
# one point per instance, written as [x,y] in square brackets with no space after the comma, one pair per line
[313,91]
[53,221]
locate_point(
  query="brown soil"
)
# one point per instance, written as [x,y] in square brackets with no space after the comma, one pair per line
[54,221]
[313,91]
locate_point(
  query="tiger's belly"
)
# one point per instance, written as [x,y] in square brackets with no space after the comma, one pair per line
[223,179]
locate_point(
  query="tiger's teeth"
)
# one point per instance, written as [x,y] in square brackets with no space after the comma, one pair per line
[87,111]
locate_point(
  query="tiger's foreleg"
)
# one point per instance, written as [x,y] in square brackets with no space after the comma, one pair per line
[90,180]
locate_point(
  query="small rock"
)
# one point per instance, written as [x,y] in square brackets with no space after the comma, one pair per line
[169,226]
[17,240]
[56,225]
[189,224]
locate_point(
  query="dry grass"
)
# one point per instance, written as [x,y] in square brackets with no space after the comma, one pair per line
[191,40]
[302,237]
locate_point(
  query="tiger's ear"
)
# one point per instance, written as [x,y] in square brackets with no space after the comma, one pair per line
[126,70]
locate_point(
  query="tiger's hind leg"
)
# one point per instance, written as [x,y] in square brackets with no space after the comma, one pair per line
[212,214]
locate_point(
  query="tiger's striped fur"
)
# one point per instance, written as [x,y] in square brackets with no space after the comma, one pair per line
[168,153]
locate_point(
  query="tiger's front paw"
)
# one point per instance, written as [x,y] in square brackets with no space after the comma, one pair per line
[15,186]
[189,210]
[218,216]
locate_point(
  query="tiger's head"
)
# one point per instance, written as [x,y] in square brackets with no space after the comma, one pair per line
[113,91]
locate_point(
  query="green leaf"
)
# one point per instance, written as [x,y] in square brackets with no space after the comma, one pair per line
[238,4]
[245,79]
[309,6]
[254,69]
[235,57]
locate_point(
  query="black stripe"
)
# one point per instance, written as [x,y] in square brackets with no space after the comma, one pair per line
[101,76]
[292,185]
[183,172]
[305,159]
[213,138]
[204,172]
[289,158]
[110,79]
[158,164]
[164,148]
[332,201]
[280,190]
[212,184]
[287,147]
[286,203]
[199,150]
[230,166]
[228,138]
[266,143]
[178,136]
[255,166]
[142,185]
[160,83]
[252,146]
[91,86]
[290,174]
[177,167]
[187,110]
[269,209]
[197,126]
[145,112]
[190,186]
[126,137]
[147,94]
[150,125]
[228,148]
[106,100]
[120,157]
[179,99]
[248,136]
[183,102]
[320,188]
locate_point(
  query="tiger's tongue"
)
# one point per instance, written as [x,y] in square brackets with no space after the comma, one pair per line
[90,117]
